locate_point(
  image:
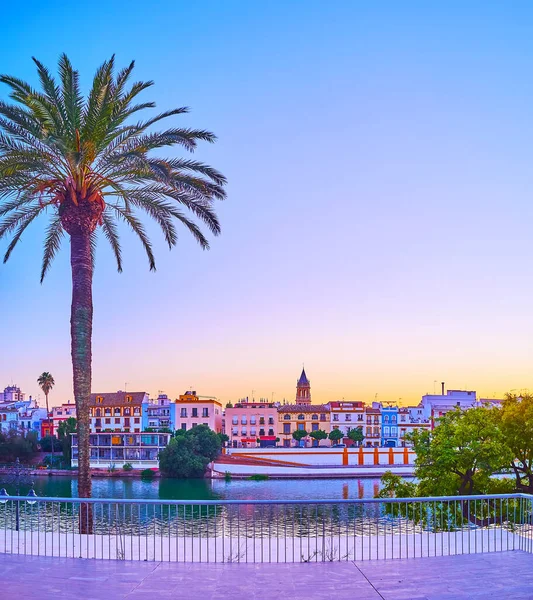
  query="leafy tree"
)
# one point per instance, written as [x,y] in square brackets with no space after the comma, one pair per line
[87,164]
[64,431]
[318,435]
[49,443]
[299,435]
[515,421]
[335,435]
[356,435]
[461,454]
[189,452]
[14,445]
[46,383]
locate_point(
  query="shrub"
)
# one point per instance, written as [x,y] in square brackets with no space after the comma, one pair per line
[258,477]
[227,476]
[147,474]
[127,467]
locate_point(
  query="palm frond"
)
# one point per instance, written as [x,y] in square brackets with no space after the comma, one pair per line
[22,224]
[52,243]
[111,233]
[138,228]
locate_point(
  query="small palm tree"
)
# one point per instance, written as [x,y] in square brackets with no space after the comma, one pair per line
[88,165]
[46,383]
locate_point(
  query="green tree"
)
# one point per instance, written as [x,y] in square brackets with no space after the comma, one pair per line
[189,452]
[318,435]
[336,435]
[49,443]
[515,421]
[87,164]
[64,431]
[356,435]
[461,454]
[13,445]
[46,383]
[299,434]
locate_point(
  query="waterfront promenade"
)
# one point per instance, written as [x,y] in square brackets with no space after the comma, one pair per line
[499,575]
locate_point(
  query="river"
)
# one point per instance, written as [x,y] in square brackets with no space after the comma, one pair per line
[210,489]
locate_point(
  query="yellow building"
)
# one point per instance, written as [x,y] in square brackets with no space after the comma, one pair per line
[307,417]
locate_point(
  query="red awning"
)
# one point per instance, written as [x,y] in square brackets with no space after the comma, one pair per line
[268,438]
[249,440]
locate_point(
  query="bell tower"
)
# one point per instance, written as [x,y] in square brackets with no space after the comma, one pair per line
[303,389]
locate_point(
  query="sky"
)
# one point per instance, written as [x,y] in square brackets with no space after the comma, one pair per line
[378,220]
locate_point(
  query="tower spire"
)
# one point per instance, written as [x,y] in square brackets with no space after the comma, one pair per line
[303,389]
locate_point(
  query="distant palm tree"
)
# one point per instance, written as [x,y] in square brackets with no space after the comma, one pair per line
[88,165]
[46,383]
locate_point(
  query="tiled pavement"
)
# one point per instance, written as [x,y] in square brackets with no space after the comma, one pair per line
[496,575]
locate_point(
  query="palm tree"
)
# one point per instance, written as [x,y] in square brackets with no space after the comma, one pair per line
[46,383]
[87,165]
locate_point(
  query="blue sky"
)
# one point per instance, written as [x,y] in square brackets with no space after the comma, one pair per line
[377,225]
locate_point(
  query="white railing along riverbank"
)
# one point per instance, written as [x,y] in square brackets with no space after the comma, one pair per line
[266,531]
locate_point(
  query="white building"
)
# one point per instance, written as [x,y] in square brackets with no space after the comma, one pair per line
[437,405]
[11,393]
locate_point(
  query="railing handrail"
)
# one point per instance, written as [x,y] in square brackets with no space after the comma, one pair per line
[269,502]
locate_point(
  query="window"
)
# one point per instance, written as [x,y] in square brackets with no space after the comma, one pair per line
[98,412]
[314,427]
[271,420]
[127,411]
[205,412]
[184,426]
[194,424]
[252,420]
[194,412]
[301,417]
[348,417]
[270,432]
[136,411]
[129,398]
[108,421]
[235,421]
[107,412]
[99,399]
[117,421]
[286,427]
[359,417]
[261,432]
[117,412]
[243,431]
[287,417]
[137,420]
[385,418]
[314,417]
[301,426]
[244,421]
[335,417]
[253,431]
[183,413]
[322,417]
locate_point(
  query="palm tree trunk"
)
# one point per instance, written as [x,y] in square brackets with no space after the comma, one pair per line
[81,322]
[50,429]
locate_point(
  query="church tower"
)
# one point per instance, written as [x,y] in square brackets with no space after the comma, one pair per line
[303,389]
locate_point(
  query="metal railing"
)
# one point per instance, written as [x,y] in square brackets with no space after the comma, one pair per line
[265,531]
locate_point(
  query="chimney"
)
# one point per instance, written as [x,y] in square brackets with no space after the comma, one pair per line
[442,384]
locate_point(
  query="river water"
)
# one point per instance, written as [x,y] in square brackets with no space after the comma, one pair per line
[206,489]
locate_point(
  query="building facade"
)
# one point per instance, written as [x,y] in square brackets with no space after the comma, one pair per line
[389,426]
[373,425]
[193,410]
[118,411]
[435,406]
[347,415]
[160,414]
[306,417]
[12,393]
[252,423]
[114,450]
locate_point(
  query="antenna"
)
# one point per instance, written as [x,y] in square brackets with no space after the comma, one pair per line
[126,386]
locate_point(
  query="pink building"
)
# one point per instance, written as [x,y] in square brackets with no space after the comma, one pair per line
[192,410]
[252,423]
